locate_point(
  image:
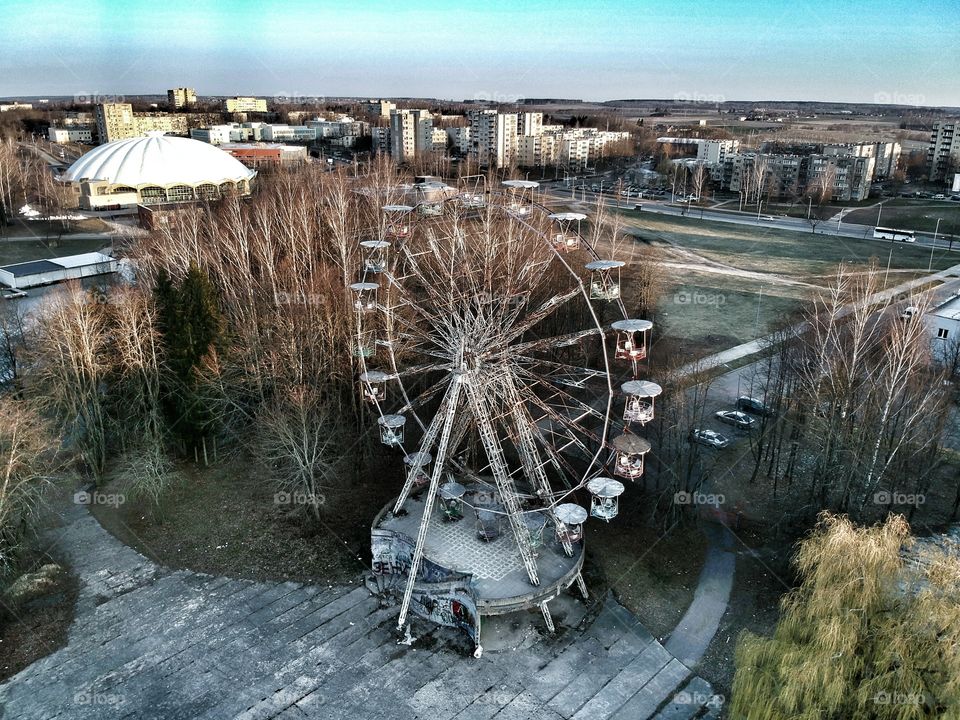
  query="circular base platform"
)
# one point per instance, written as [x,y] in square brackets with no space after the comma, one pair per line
[500,578]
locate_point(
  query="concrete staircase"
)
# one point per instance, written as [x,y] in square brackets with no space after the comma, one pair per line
[154,643]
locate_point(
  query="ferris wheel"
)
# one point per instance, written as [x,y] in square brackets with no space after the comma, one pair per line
[482,352]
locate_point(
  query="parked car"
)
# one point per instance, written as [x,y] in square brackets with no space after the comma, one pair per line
[939,196]
[753,406]
[736,418]
[709,438]
[909,312]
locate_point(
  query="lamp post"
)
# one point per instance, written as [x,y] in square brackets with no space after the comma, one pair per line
[880,210]
[839,219]
[933,245]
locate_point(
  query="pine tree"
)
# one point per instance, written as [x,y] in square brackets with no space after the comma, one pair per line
[190,323]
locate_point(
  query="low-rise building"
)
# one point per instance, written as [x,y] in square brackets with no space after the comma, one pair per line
[73,134]
[943,323]
[256,154]
[379,108]
[7,107]
[289,133]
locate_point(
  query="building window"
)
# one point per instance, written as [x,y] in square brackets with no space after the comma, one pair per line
[942,333]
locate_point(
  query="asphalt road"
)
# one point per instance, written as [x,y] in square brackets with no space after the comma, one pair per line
[661,207]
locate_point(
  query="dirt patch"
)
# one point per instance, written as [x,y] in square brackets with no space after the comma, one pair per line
[224,520]
[653,572]
[40,627]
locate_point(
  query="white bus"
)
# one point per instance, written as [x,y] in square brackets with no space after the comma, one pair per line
[892,234]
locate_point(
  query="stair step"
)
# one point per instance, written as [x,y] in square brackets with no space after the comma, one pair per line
[625,684]
[688,702]
[652,695]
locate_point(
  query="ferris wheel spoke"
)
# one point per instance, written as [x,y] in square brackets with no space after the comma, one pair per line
[551,343]
[447,417]
[498,467]
[543,312]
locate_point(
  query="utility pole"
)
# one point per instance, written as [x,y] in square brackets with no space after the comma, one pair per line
[933,245]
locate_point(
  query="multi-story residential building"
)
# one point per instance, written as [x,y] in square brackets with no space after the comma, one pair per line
[493,137]
[343,131]
[943,154]
[777,175]
[885,155]
[245,104]
[380,140]
[411,133]
[460,138]
[574,152]
[181,97]
[73,134]
[716,151]
[439,143]
[379,108]
[117,121]
[529,123]
[537,150]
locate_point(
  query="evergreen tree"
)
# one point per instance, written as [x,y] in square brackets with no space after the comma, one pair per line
[190,323]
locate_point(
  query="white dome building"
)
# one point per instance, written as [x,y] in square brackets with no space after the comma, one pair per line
[155,169]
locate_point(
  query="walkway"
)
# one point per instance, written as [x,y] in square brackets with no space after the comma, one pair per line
[153,643]
[738,352]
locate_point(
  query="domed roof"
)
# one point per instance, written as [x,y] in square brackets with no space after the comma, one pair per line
[157,159]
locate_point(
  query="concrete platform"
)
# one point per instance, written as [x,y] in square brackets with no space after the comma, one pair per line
[499,575]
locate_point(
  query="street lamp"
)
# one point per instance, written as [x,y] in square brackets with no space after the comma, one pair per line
[933,245]
[880,210]
[839,218]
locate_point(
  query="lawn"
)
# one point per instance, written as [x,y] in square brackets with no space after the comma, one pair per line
[799,255]
[918,215]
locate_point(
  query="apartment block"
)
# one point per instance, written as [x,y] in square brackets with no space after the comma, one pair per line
[245,104]
[493,137]
[379,108]
[117,121]
[411,133]
[181,97]
[943,153]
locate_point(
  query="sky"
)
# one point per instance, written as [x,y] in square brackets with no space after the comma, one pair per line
[900,51]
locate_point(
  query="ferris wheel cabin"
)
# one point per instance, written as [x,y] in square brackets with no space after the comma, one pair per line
[630,450]
[605,279]
[376,255]
[631,339]
[639,406]
[567,237]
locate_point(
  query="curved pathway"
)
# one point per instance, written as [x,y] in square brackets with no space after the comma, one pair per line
[149,642]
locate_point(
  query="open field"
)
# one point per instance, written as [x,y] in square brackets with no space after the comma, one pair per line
[800,256]
[918,215]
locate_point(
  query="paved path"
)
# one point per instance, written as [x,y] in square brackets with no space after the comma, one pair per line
[738,352]
[149,642]
[690,639]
